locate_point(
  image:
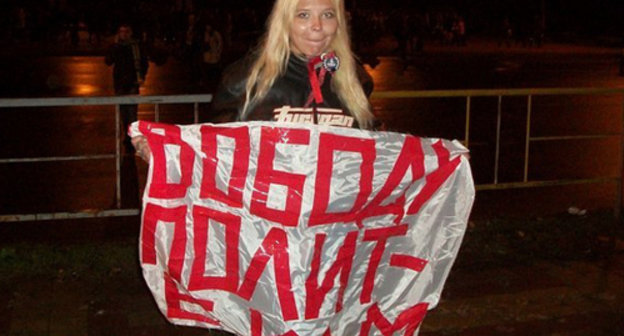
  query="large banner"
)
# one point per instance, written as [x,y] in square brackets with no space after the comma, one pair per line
[268,229]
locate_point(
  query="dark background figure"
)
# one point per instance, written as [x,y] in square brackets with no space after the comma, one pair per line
[130,66]
[192,48]
[506,33]
[212,50]
[459,31]
[416,33]
[365,32]
[399,26]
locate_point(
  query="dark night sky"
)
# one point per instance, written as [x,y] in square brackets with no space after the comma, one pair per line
[596,17]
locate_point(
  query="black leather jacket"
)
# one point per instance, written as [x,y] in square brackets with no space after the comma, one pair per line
[286,99]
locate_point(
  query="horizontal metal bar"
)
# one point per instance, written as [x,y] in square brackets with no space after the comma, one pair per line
[69,215]
[495,92]
[574,137]
[111,100]
[207,98]
[59,158]
[551,183]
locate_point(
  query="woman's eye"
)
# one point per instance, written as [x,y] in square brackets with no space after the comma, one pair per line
[329,15]
[303,15]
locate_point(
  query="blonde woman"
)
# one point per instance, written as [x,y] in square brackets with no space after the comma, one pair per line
[303,71]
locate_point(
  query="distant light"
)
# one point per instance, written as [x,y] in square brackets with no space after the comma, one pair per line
[84,90]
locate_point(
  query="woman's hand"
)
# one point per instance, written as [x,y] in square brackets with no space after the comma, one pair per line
[141,147]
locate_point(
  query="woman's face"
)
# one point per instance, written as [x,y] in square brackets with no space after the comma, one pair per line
[314,27]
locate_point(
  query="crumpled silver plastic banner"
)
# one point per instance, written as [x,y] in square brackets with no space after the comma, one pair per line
[260,228]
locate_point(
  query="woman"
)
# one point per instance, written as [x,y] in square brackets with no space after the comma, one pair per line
[303,71]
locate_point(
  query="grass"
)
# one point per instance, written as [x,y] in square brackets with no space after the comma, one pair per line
[89,260]
[492,241]
[562,237]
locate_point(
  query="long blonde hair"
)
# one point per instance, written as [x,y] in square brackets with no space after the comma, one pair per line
[274,52]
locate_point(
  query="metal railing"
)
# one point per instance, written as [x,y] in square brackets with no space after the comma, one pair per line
[156,101]
[467,94]
[529,93]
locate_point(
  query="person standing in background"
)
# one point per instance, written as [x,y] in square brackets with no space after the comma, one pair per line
[130,66]
[192,48]
[212,51]
[129,71]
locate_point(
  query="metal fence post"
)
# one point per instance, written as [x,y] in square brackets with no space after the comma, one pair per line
[467,130]
[620,181]
[117,156]
[527,143]
[196,113]
[498,136]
